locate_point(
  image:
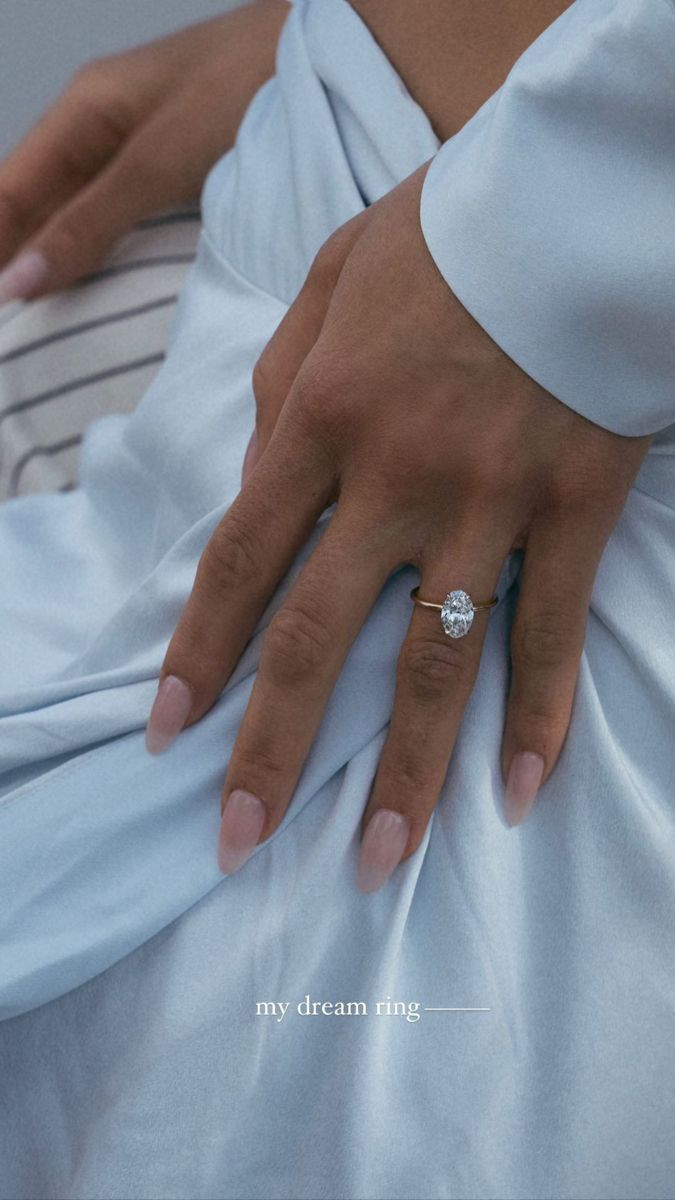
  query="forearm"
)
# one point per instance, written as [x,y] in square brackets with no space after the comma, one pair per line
[454,55]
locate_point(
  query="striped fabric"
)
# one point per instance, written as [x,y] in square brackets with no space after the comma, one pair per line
[90,350]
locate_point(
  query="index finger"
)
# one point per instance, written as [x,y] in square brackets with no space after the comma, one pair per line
[246,557]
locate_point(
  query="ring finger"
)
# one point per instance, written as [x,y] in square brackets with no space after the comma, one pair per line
[435,676]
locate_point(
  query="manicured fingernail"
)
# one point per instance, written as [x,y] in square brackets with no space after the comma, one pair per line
[384,841]
[168,715]
[522,785]
[22,276]
[240,828]
[249,464]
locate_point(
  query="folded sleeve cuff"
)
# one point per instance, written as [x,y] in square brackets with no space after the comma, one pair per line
[551,214]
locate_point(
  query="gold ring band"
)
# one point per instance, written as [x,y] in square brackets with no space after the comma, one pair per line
[457,610]
[432,604]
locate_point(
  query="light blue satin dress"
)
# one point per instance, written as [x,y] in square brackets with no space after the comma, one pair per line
[512,991]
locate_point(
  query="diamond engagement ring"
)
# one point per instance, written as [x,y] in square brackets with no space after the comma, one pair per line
[456,610]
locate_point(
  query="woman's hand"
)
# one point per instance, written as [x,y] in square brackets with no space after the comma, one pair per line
[379,390]
[131,135]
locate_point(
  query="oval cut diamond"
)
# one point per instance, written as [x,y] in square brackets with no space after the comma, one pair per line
[457,614]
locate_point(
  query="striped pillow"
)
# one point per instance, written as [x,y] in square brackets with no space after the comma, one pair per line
[89,350]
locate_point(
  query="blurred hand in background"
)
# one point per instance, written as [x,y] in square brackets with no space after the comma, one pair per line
[133,134]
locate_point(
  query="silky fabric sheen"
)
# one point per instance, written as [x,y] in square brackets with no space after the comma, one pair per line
[132,1061]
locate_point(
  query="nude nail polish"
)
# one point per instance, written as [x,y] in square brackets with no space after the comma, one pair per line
[525,775]
[168,714]
[383,843]
[23,275]
[240,828]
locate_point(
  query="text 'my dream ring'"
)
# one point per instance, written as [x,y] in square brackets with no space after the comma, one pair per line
[456,610]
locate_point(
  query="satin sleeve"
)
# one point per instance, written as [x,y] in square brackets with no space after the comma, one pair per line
[551,213]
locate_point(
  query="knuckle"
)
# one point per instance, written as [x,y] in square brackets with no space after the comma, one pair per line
[562,499]
[257,762]
[329,259]
[317,402]
[534,725]
[96,90]
[410,773]
[313,389]
[326,263]
[537,721]
[430,669]
[262,378]
[232,555]
[542,642]
[296,643]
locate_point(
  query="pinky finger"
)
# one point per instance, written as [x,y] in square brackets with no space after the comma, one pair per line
[547,640]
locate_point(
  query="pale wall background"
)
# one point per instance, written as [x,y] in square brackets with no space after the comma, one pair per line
[43,41]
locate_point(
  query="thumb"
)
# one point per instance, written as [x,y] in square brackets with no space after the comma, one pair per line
[275,371]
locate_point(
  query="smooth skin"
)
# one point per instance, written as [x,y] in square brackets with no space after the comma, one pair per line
[133,134]
[453,54]
[440,452]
